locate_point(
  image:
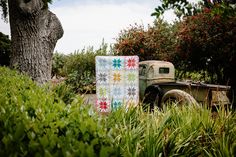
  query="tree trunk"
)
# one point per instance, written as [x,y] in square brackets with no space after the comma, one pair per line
[34,33]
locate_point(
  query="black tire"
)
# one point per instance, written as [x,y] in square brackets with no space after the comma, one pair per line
[177,97]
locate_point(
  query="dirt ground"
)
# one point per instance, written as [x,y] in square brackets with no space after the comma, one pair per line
[90,98]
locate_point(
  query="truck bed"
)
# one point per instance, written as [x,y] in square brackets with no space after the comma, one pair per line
[203,93]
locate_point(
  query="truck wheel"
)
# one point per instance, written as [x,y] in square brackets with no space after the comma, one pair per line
[151,99]
[177,97]
[148,102]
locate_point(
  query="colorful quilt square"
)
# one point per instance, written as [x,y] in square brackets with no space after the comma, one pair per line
[102,77]
[117,92]
[116,104]
[103,91]
[117,77]
[103,105]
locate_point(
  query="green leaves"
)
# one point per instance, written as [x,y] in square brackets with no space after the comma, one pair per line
[181,7]
[34,121]
[34,124]
[5,50]
[4,8]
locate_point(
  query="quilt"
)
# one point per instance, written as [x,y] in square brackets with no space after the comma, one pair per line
[117,82]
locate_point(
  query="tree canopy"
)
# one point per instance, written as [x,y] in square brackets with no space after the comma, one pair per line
[186,8]
[5,45]
[154,43]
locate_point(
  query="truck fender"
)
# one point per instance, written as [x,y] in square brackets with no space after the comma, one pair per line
[178,97]
[153,96]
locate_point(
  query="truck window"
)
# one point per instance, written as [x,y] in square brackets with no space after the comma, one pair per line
[163,70]
[142,70]
[150,72]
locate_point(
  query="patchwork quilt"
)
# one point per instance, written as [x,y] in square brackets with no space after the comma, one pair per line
[117,82]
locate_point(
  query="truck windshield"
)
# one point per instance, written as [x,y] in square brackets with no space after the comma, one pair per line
[163,70]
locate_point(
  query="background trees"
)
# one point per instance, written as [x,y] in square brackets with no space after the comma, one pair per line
[203,39]
[155,42]
[206,41]
[5,44]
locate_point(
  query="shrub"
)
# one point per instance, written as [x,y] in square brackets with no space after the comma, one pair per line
[197,76]
[79,69]
[157,42]
[64,92]
[58,64]
[33,122]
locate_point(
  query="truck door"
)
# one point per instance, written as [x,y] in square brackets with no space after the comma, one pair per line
[142,79]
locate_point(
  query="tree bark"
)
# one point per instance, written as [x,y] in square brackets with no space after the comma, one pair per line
[34,33]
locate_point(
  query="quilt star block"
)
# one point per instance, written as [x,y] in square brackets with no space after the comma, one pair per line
[116,82]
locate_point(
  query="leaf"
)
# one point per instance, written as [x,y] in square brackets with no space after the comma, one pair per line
[105,151]
[19,133]
[44,141]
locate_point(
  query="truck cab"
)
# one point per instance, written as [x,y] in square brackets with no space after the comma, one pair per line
[153,72]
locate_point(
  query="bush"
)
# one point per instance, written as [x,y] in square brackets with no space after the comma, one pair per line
[79,68]
[157,42]
[197,76]
[58,64]
[64,92]
[34,122]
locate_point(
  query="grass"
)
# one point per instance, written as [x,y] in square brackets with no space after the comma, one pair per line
[188,131]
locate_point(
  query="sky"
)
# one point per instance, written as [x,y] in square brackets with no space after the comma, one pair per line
[88,23]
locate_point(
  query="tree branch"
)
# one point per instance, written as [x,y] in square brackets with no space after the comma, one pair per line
[55,30]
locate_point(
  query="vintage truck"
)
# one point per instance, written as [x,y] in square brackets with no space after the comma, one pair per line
[158,86]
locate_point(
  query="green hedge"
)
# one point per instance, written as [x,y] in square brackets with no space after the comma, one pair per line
[78,68]
[35,122]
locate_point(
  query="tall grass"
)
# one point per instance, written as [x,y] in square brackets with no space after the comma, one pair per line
[187,131]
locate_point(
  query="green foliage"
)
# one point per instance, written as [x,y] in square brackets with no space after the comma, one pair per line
[45,2]
[3,7]
[64,92]
[186,131]
[58,63]
[196,76]
[154,43]
[185,8]
[181,7]
[5,46]
[79,68]
[35,122]
[203,40]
